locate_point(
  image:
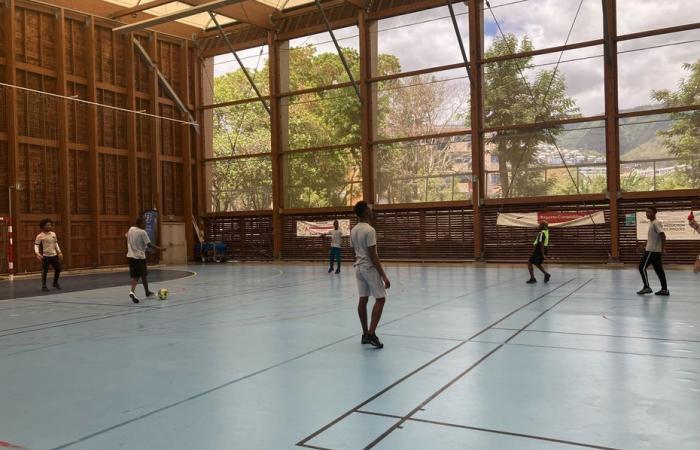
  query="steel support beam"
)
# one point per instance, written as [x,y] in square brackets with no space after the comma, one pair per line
[339,50]
[63,151]
[459,38]
[476,50]
[166,85]
[240,63]
[165,18]
[277,139]
[612,136]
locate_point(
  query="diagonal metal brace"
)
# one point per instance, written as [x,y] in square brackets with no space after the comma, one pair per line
[459,39]
[164,82]
[240,63]
[340,52]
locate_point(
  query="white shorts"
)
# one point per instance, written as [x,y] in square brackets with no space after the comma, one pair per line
[369,283]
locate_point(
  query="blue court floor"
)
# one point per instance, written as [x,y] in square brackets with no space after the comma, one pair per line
[264,356]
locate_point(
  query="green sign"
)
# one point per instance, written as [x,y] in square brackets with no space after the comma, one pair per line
[630,219]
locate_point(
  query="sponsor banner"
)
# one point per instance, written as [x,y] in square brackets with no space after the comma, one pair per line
[315,229]
[675,223]
[555,219]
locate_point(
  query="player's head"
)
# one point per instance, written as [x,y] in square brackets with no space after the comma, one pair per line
[336,224]
[544,225]
[363,210]
[651,212]
[139,222]
[46,225]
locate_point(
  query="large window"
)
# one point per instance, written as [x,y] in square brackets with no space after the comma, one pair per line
[562,160]
[239,164]
[660,152]
[422,150]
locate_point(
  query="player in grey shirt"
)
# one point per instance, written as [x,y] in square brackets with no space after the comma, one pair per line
[656,240]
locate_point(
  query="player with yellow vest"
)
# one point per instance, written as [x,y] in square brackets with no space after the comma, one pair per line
[538,253]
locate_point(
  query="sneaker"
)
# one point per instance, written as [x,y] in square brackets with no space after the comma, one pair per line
[531,281]
[45,289]
[133,297]
[337,271]
[150,294]
[365,339]
[547,277]
[663,292]
[374,341]
[57,286]
[330,270]
[646,290]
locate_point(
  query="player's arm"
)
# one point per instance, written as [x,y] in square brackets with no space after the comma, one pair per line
[378,264]
[58,251]
[36,250]
[151,245]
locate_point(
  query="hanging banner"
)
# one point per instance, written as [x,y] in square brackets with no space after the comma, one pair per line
[675,223]
[316,229]
[555,219]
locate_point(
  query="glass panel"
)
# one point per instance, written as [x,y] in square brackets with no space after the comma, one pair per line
[660,152]
[239,185]
[643,15]
[423,104]
[546,161]
[427,170]
[323,118]
[544,23]
[314,60]
[421,40]
[241,130]
[523,90]
[328,178]
[230,83]
[647,67]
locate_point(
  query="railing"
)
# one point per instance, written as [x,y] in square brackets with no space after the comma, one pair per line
[650,169]
[429,192]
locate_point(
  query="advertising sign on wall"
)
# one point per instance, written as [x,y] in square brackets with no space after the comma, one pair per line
[316,229]
[675,225]
[555,219]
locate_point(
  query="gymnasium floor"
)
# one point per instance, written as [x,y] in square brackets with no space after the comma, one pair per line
[263,356]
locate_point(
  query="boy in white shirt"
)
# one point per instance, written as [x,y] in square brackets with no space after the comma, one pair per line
[371,278]
[137,241]
[336,245]
[48,253]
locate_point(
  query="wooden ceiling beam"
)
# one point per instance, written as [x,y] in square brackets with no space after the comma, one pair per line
[139,8]
[170,17]
[251,12]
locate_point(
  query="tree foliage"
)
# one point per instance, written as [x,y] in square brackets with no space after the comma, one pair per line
[683,138]
[517,93]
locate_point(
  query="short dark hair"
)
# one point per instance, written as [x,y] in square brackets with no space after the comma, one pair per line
[139,221]
[652,209]
[361,208]
[44,222]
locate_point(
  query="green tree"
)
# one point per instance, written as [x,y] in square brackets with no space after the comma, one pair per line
[683,138]
[511,98]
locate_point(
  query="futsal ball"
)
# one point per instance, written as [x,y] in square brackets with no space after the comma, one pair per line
[162,294]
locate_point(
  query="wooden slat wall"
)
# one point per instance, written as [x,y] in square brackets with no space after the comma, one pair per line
[44,63]
[414,235]
[677,252]
[248,237]
[588,243]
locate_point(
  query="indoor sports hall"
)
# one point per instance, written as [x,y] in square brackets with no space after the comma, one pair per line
[349,224]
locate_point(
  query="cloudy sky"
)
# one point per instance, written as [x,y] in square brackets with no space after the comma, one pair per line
[427,39]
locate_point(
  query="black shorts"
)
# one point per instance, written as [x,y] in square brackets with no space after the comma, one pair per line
[137,268]
[537,256]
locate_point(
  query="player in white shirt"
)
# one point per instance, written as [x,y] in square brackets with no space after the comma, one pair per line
[137,241]
[336,245]
[48,253]
[371,278]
